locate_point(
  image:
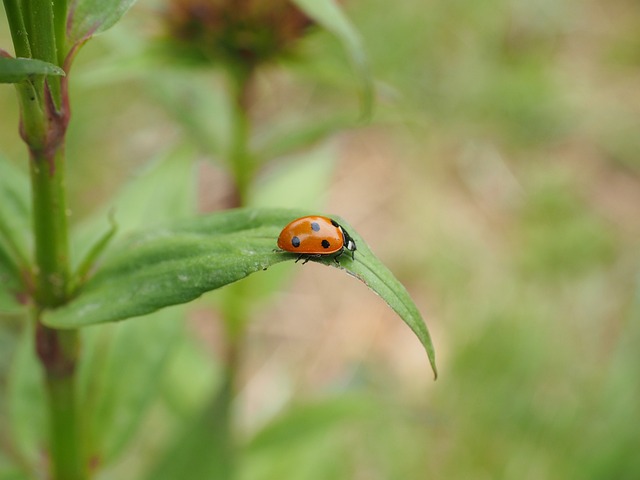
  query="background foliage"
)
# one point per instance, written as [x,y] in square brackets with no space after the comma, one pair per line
[500,181]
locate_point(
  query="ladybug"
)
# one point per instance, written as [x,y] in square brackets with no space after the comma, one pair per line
[316,236]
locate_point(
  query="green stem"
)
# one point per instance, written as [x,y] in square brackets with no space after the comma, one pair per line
[37,28]
[235,298]
[64,429]
[57,350]
[239,155]
[50,228]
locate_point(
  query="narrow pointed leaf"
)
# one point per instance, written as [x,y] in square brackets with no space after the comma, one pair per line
[15,70]
[177,264]
[375,275]
[330,16]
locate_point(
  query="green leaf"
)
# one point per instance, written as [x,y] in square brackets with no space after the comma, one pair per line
[174,265]
[89,17]
[15,70]
[330,16]
[379,278]
[179,263]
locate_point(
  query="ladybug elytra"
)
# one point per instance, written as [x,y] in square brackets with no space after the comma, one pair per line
[316,236]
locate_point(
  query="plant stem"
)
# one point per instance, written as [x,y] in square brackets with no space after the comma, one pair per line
[37,29]
[57,350]
[50,228]
[235,298]
[239,155]
[64,429]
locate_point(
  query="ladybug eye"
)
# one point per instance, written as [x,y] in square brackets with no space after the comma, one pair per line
[315,227]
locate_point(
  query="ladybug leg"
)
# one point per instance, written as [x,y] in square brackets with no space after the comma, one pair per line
[335,259]
[303,256]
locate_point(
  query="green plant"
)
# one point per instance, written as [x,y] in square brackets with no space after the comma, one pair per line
[122,277]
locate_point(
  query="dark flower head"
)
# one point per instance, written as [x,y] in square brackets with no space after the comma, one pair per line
[243,33]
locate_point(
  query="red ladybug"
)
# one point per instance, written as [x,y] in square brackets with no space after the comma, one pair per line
[316,236]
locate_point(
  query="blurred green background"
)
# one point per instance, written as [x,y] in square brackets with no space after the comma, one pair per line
[499,179]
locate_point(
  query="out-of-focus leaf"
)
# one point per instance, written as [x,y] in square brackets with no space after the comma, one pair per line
[15,70]
[89,17]
[26,402]
[120,376]
[15,206]
[203,449]
[330,16]
[290,180]
[301,422]
[9,282]
[11,472]
[319,457]
[190,378]
[163,192]
[11,462]
[14,227]
[291,138]
[191,98]
[177,264]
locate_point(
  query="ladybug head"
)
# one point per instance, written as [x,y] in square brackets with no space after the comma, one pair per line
[349,244]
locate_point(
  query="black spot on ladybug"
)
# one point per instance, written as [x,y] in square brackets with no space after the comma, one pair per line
[295,241]
[325,244]
[334,223]
[315,227]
